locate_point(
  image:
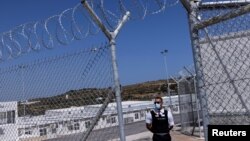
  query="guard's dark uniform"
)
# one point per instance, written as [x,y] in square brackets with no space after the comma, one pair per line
[160,126]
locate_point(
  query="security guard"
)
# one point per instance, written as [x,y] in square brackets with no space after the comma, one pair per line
[159,121]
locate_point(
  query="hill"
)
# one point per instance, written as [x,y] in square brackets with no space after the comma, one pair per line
[147,90]
[140,91]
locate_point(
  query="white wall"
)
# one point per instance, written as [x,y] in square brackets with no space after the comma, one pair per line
[8,131]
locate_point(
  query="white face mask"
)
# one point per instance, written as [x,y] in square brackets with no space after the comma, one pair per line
[157,106]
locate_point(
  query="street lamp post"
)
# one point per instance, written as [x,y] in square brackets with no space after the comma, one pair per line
[22,67]
[164,53]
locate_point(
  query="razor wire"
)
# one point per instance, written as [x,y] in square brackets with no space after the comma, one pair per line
[221,54]
[73,24]
[139,9]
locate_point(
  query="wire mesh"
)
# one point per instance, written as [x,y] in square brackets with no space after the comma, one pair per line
[225,51]
[189,109]
[58,98]
[221,52]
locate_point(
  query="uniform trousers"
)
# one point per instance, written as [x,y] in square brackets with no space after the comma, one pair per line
[165,137]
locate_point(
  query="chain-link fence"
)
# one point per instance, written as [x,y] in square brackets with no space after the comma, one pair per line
[189,109]
[62,98]
[59,96]
[220,37]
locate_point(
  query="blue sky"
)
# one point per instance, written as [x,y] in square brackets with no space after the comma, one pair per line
[138,45]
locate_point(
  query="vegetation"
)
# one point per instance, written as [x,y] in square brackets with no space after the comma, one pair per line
[140,91]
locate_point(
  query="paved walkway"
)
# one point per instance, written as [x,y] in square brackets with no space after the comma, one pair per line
[176,136]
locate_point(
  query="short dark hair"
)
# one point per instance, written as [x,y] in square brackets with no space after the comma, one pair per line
[158,97]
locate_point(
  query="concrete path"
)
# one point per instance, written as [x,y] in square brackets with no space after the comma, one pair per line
[176,136]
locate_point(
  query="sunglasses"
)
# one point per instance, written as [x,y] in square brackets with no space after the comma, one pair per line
[158,102]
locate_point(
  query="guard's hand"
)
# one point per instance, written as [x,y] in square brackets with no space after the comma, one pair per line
[170,128]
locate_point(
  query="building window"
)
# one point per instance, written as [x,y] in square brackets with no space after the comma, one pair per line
[136,116]
[70,127]
[7,117]
[76,126]
[27,131]
[111,120]
[87,124]
[43,131]
[108,120]
[53,130]
[11,117]
[128,120]
[142,114]
[3,118]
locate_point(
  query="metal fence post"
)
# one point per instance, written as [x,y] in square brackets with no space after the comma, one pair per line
[111,37]
[117,90]
[197,61]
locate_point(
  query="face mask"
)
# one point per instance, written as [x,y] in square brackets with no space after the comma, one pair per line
[157,106]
